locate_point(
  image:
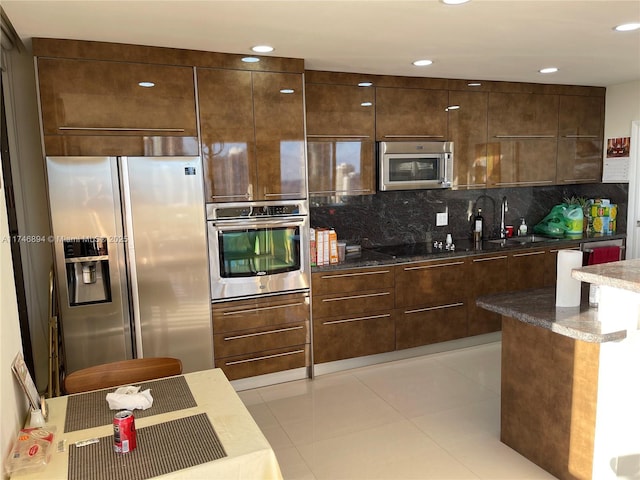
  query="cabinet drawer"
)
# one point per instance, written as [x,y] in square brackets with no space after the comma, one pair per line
[260,339]
[352,303]
[431,283]
[337,338]
[270,361]
[426,325]
[341,281]
[260,312]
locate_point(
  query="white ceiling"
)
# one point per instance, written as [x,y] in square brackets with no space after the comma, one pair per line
[484,39]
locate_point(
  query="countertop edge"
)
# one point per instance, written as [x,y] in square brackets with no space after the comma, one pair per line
[537,308]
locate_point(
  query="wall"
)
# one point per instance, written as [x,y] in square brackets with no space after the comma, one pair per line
[622,107]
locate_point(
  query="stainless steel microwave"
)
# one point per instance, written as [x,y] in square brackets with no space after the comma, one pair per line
[415,165]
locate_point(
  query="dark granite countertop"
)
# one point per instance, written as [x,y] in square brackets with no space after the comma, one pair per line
[538,307]
[397,254]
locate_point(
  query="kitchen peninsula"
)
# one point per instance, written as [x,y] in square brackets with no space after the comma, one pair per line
[569,393]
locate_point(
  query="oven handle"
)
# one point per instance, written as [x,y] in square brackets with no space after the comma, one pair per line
[258,223]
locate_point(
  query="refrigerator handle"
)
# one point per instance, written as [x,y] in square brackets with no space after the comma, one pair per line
[123,167]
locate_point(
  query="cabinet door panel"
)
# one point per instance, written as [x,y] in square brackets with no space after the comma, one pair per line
[580,142]
[431,283]
[337,338]
[279,133]
[260,339]
[261,363]
[352,280]
[338,110]
[228,139]
[522,162]
[524,114]
[423,326]
[352,303]
[526,270]
[468,131]
[411,112]
[488,276]
[341,167]
[95,97]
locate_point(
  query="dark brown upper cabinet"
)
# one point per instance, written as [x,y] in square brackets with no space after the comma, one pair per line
[340,139]
[467,129]
[580,141]
[411,114]
[523,139]
[252,134]
[92,107]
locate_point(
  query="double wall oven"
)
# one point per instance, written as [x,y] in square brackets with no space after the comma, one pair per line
[258,248]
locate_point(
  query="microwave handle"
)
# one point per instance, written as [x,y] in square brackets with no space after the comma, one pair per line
[445,180]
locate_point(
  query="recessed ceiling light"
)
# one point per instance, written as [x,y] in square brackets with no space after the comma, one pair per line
[365,84]
[452,107]
[454,2]
[474,84]
[548,70]
[366,104]
[262,49]
[250,59]
[146,84]
[287,90]
[422,63]
[627,27]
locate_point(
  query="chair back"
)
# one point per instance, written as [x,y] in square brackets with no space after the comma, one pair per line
[124,372]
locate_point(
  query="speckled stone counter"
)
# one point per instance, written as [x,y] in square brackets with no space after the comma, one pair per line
[538,308]
[623,275]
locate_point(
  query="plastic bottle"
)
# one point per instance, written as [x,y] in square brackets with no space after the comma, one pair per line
[522,231]
[478,223]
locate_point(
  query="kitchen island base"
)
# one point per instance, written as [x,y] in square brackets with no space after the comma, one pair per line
[548,399]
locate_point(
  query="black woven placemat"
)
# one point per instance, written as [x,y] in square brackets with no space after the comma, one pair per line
[88,410]
[161,449]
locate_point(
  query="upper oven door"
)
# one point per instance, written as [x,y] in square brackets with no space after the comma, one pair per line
[256,256]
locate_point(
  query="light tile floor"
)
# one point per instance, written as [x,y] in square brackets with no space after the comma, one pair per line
[431,417]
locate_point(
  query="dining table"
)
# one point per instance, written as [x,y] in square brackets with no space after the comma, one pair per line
[197,427]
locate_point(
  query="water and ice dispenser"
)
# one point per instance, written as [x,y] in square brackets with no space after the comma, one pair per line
[87,263]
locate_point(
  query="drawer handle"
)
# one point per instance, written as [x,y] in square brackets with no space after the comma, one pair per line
[364,295]
[359,274]
[439,307]
[246,195]
[372,317]
[525,136]
[266,357]
[532,182]
[422,267]
[258,309]
[336,136]
[489,259]
[574,180]
[248,335]
[413,136]
[319,192]
[527,254]
[581,136]
[292,194]
[123,129]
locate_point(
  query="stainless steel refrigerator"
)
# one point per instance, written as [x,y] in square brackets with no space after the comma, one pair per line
[131,259]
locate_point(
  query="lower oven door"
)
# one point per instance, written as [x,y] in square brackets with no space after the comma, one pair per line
[258,256]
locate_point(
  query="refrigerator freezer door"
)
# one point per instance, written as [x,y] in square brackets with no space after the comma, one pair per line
[165,218]
[85,205]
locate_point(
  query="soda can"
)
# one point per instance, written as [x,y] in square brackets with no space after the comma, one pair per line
[124,432]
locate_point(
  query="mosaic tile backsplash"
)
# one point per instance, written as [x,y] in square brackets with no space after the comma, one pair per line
[400,217]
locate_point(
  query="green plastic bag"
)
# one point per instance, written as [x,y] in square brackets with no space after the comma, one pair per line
[564,219]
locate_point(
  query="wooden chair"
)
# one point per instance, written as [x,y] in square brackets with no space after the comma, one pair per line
[125,372]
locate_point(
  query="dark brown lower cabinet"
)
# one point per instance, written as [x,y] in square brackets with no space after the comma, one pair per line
[488,274]
[262,335]
[342,337]
[418,326]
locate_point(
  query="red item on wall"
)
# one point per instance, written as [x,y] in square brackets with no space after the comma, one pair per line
[604,255]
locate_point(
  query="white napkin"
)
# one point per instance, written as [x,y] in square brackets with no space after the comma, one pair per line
[128,398]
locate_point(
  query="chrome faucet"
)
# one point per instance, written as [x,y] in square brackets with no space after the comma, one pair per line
[504,208]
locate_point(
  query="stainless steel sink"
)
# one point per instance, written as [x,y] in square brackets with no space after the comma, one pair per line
[522,240]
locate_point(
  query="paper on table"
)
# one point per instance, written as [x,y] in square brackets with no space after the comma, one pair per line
[567,287]
[128,398]
[26,382]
